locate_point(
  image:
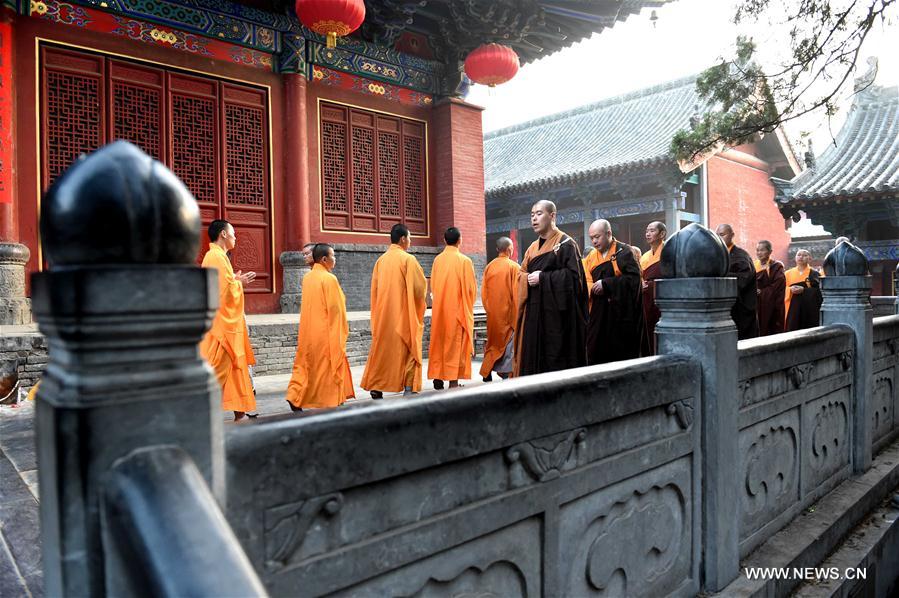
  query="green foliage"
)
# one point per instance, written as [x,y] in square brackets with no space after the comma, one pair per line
[742,100]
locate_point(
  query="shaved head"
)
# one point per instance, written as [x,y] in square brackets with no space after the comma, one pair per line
[655,234]
[726,232]
[600,232]
[546,206]
[502,244]
[543,218]
[600,226]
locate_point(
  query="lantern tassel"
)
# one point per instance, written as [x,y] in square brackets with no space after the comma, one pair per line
[331,40]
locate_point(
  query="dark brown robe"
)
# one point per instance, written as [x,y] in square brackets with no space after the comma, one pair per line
[550,334]
[651,313]
[615,325]
[743,311]
[771,283]
[805,308]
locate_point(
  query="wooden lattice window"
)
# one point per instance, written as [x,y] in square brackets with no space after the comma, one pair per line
[372,170]
[73,111]
[212,133]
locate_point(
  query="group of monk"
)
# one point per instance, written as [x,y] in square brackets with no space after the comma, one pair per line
[556,310]
[771,299]
[577,311]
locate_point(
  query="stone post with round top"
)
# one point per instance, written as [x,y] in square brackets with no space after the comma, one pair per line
[123,306]
[846,287]
[695,298]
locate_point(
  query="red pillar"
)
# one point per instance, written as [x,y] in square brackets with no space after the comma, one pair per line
[296,164]
[9,230]
[15,308]
[458,196]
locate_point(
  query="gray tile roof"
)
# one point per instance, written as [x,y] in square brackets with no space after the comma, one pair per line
[619,133]
[864,159]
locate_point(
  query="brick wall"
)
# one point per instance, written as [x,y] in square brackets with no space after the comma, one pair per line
[458,196]
[740,194]
[28,351]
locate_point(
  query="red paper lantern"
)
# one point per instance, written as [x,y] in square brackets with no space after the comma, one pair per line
[491,64]
[331,18]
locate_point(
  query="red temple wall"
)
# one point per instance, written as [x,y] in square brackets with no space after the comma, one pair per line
[454,164]
[741,195]
[27,32]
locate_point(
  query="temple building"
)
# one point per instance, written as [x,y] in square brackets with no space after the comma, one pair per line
[289,139]
[853,187]
[610,160]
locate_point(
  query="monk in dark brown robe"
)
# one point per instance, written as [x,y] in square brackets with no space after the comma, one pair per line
[615,323]
[802,297]
[770,280]
[744,310]
[552,297]
[651,270]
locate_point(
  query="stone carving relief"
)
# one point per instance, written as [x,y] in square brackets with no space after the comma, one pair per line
[893,344]
[771,473]
[683,411]
[881,406]
[800,375]
[287,527]
[829,436]
[546,458]
[630,548]
[501,579]
[846,360]
[745,391]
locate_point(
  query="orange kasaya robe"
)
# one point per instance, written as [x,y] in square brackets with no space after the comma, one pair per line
[321,373]
[499,293]
[227,344]
[454,290]
[398,288]
[794,276]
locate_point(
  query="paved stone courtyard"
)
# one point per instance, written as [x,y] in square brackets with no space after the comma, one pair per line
[20,550]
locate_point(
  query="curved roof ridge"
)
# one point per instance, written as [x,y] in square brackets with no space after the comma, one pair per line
[604,103]
[863,156]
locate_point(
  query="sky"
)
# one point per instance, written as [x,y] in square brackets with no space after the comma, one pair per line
[687,37]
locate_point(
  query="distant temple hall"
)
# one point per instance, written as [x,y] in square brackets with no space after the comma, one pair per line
[853,188]
[610,160]
[291,140]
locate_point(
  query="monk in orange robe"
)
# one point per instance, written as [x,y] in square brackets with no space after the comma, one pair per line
[802,298]
[321,372]
[499,293]
[650,271]
[455,289]
[227,344]
[398,289]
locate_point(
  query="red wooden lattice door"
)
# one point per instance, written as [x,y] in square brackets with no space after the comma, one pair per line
[213,134]
[373,171]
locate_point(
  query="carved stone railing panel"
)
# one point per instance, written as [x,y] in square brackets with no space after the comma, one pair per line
[795,395]
[775,365]
[885,394]
[482,492]
[649,516]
